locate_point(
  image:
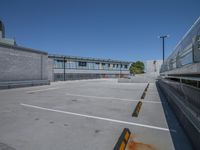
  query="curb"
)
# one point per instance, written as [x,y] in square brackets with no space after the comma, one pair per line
[145,90]
[123,140]
[137,109]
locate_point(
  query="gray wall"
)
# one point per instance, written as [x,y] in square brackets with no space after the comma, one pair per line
[20,64]
[50,69]
[153,66]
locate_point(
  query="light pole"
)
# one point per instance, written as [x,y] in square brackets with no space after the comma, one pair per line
[163,44]
[64,67]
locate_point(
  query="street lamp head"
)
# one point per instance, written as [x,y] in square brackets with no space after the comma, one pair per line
[163,43]
[164,36]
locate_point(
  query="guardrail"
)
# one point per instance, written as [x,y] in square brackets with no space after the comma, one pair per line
[185,102]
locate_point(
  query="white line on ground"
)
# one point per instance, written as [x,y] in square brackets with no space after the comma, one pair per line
[120,99]
[39,90]
[96,117]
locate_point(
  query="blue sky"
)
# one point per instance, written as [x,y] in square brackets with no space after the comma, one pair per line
[116,29]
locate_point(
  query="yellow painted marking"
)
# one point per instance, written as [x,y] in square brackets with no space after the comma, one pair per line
[122,146]
[126,136]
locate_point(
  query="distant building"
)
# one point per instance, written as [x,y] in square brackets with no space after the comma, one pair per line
[74,68]
[21,66]
[153,66]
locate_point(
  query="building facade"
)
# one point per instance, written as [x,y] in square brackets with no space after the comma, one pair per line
[153,66]
[74,68]
[21,66]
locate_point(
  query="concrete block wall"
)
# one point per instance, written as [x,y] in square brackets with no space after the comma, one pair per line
[22,64]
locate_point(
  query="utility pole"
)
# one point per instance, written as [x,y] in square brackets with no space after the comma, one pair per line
[163,44]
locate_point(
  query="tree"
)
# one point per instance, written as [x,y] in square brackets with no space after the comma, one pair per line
[137,67]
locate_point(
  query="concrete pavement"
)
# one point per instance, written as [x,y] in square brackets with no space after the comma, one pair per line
[88,115]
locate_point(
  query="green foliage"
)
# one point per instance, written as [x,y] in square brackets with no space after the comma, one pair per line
[137,67]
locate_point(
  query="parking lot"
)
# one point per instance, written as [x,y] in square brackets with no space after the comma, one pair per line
[87,114]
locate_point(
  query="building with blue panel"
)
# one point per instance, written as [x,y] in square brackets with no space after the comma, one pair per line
[73,68]
[21,66]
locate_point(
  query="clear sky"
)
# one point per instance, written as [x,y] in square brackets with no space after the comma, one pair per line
[116,29]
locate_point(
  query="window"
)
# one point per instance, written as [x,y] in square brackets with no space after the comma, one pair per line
[82,64]
[108,65]
[58,64]
[117,65]
[90,65]
[113,65]
[198,38]
[70,64]
[96,66]
[126,66]
[104,66]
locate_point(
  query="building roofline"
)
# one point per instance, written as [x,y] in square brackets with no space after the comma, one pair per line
[60,56]
[22,48]
[87,58]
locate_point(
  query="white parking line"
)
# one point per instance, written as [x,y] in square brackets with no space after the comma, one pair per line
[96,117]
[53,88]
[120,99]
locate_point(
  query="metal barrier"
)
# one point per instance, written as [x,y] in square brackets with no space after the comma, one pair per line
[185,104]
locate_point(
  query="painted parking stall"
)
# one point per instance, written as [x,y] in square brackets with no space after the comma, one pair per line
[81,115]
